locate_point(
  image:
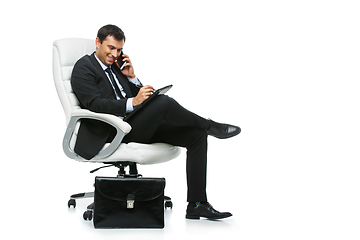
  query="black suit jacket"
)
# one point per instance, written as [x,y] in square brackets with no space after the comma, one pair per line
[94,92]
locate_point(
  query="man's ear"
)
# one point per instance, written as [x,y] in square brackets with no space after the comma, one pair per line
[97,42]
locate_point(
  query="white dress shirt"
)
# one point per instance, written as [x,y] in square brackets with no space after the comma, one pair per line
[129,102]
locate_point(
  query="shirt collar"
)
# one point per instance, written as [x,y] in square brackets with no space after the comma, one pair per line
[104,67]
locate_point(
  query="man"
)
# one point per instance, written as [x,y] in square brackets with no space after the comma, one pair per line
[101,86]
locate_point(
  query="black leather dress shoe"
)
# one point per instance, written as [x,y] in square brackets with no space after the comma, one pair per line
[205,210]
[222,131]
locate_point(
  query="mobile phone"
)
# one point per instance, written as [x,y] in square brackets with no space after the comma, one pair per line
[120,61]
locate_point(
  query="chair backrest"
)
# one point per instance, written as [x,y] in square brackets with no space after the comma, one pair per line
[66,52]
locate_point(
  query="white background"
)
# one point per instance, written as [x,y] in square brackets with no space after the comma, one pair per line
[287,72]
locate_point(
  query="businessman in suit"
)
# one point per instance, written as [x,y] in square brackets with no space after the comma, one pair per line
[102,87]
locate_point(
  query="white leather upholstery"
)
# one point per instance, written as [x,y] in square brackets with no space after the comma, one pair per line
[66,52]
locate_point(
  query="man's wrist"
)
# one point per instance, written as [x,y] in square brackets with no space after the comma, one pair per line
[131,76]
[135,102]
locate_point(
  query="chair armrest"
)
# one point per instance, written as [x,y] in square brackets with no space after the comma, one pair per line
[111,119]
[122,128]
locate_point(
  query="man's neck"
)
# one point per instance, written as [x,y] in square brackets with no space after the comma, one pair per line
[100,62]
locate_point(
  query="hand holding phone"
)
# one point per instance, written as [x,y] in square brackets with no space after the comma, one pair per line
[125,67]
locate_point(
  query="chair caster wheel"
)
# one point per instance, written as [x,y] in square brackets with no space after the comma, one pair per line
[168,204]
[88,215]
[72,202]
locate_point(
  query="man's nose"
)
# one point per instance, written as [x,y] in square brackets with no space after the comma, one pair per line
[114,53]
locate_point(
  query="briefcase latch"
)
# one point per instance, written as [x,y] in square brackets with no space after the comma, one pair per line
[130,201]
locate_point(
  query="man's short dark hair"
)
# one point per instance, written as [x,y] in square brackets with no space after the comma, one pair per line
[110,30]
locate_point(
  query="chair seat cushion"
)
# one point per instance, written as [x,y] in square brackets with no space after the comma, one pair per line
[140,153]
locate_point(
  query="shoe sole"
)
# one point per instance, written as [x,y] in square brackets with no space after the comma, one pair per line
[229,136]
[192,217]
[196,217]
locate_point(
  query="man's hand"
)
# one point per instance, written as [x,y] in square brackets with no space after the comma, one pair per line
[128,70]
[142,95]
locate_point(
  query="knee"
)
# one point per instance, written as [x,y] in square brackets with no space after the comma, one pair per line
[202,133]
[163,101]
[166,101]
[199,137]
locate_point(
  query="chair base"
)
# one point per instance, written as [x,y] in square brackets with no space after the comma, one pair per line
[90,208]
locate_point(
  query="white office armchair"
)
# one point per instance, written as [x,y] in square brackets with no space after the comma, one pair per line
[66,52]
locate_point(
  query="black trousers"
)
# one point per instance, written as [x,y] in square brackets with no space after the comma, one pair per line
[165,121]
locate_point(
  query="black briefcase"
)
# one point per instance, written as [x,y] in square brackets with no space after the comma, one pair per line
[129,202]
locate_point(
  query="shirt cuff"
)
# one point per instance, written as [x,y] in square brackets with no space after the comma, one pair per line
[134,80]
[129,105]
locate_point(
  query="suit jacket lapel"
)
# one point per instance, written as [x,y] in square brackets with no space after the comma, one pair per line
[99,69]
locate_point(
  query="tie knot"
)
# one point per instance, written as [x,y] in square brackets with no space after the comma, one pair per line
[108,70]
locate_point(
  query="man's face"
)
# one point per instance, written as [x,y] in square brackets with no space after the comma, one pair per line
[109,50]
